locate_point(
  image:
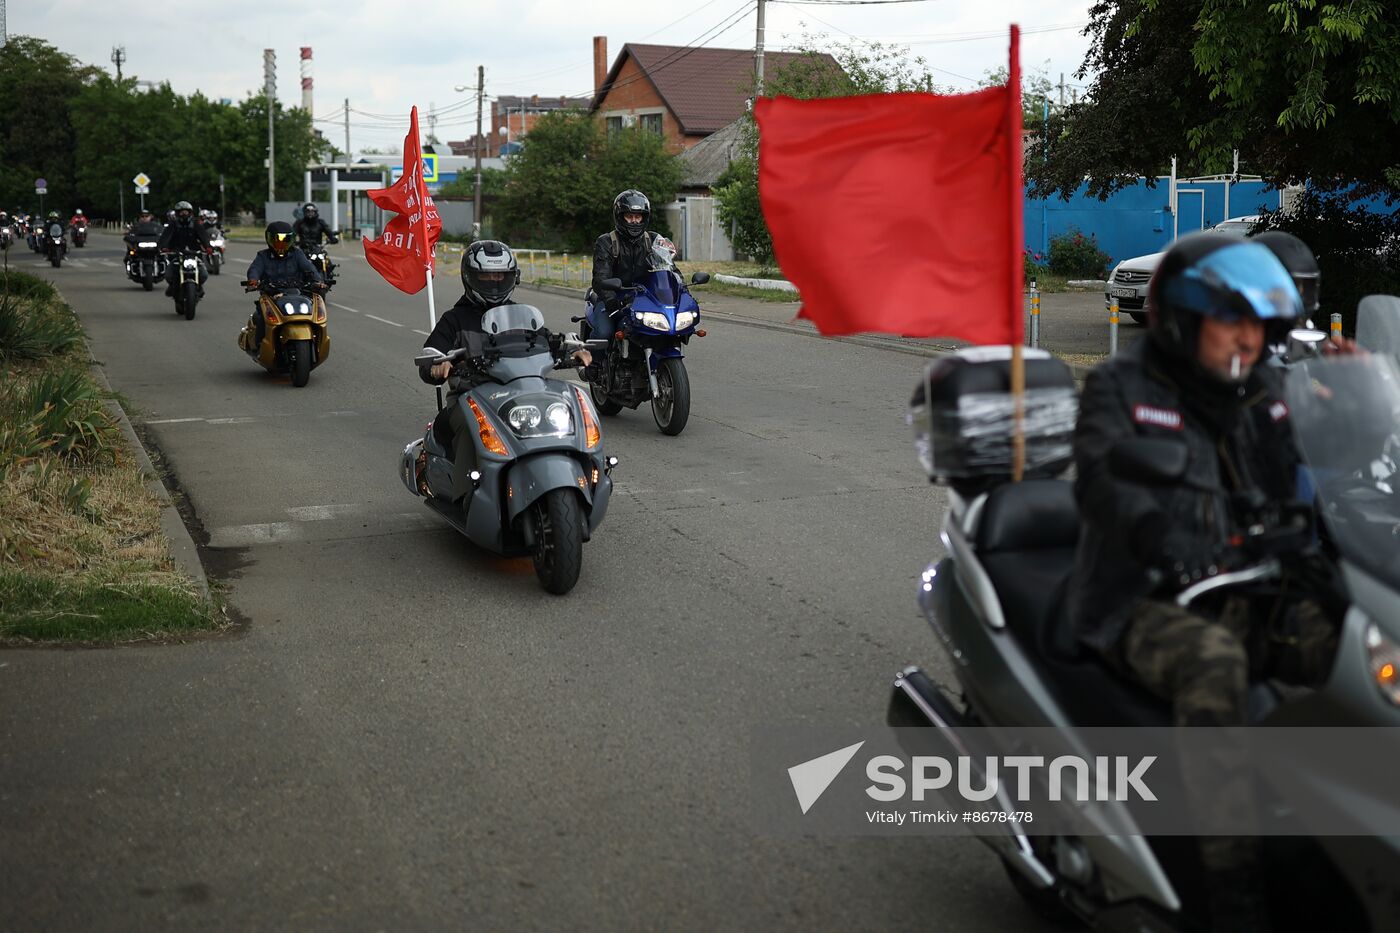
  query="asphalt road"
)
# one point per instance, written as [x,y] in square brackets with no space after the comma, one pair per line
[407,733]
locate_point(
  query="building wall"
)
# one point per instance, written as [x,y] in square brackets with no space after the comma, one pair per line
[633,94]
[697,230]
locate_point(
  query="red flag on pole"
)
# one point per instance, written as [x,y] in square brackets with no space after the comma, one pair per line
[403,254]
[899,213]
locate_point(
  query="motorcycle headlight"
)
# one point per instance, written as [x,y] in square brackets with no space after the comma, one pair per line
[523,418]
[147,245]
[305,308]
[217,244]
[653,320]
[1384,657]
[560,418]
[684,319]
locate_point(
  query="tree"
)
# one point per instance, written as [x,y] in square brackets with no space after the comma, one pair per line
[1305,90]
[37,138]
[560,187]
[821,70]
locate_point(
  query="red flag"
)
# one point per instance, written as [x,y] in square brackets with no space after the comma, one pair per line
[899,213]
[403,254]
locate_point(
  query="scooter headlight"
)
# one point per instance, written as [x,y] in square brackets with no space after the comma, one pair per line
[539,417]
[1384,657]
[653,320]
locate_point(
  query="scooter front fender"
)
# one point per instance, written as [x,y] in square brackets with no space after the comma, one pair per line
[298,331]
[529,478]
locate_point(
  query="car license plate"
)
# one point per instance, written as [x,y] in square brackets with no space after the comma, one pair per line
[1121,292]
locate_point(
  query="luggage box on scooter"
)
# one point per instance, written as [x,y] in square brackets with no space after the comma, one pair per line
[963,415]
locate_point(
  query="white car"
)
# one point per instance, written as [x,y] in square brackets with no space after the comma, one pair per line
[1129,280]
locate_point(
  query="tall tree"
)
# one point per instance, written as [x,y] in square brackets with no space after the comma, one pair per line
[37,138]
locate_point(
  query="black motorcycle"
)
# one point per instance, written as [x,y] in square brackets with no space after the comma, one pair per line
[316,252]
[190,276]
[144,263]
[55,244]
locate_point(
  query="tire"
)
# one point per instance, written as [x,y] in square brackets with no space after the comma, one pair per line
[1139,317]
[191,290]
[300,352]
[146,281]
[1045,903]
[671,406]
[605,405]
[56,259]
[215,263]
[558,556]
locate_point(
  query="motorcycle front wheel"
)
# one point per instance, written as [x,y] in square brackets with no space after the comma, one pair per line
[191,290]
[146,281]
[215,262]
[56,259]
[671,404]
[558,526]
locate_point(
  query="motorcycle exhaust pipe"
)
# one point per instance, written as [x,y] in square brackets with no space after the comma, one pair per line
[918,701]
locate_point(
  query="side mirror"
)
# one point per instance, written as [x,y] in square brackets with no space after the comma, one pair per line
[1151,461]
[1304,343]
[614,284]
[699,278]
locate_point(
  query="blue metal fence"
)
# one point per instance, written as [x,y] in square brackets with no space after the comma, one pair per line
[1138,220]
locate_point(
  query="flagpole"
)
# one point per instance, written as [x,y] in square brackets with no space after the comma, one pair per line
[1017,266]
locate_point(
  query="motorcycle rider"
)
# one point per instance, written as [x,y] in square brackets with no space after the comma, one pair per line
[77,220]
[6,230]
[621,253]
[281,264]
[1215,306]
[181,234]
[489,276]
[310,228]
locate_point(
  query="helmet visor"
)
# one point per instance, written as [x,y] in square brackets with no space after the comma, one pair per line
[280,243]
[494,285]
[1241,280]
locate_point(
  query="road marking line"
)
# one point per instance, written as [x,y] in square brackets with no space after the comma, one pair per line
[336,304]
[423,332]
[173,420]
[248,419]
[243,420]
[382,321]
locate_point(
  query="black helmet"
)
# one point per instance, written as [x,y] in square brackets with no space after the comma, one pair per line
[631,201]
[1300,263]
[489,273]
[1218,276]
[310,212]
[279,237]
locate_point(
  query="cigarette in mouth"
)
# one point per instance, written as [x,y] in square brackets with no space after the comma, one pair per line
[1235,366]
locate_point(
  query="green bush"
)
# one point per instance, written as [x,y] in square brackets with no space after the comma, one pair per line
[60,411]
[33,322]
[1074,255]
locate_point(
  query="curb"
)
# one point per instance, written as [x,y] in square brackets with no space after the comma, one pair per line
[182,546]
[1079,370]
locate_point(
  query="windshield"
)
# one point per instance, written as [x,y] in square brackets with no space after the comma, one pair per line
[507,318]
[1378,324]
[1345,412]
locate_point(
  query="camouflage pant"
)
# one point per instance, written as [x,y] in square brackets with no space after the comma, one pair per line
[1204,666]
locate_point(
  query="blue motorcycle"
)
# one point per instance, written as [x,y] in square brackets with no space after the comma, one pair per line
[654,319]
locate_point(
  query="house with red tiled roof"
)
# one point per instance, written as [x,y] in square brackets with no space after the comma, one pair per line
[685,93]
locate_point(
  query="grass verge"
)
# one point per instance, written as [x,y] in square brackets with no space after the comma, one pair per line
[82,554]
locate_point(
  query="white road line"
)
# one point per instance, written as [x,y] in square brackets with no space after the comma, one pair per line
[320,513]
[248,419]
[423,332]
[173,420]
[342,307]
[382,321]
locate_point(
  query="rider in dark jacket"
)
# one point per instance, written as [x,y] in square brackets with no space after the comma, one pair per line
[621,253]
[280,265]
[1215,306]
[309,231]
[182,233]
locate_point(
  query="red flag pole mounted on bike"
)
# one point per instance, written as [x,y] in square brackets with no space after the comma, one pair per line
[925,192]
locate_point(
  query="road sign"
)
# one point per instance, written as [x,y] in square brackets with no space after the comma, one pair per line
[40,183]
[141,180]
[143,189]
[41,190]
[430,166]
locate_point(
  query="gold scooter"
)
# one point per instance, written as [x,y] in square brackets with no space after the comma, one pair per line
[295,336]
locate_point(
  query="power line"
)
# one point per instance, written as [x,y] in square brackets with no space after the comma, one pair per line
[846,2]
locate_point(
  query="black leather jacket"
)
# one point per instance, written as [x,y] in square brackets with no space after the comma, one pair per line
[293,269]
[1236,441]
[311,231]
[178,236]
[629,265]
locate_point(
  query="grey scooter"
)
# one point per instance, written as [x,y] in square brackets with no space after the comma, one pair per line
[541,483]
[996,603]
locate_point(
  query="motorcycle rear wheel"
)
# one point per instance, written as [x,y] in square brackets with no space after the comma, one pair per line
[558,526]
[300,352]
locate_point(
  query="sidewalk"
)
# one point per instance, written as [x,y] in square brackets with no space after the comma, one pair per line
[1073,325]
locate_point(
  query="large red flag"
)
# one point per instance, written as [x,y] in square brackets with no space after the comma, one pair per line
[899,213]
[403,254]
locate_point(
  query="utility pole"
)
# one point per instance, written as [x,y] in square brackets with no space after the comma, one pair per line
[270,90]
[118,56]
[347,131]
[758,53]
[1062,89]
[480,96]
[432,122]
[4,36]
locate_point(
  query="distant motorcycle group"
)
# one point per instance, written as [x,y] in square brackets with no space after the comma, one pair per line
[46,235]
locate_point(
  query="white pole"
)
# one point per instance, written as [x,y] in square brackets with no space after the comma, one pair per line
[1171,198]
[432,306]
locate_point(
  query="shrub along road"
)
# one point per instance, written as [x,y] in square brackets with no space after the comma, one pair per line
[408,733]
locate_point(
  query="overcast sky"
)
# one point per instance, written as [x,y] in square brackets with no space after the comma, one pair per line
[385,59]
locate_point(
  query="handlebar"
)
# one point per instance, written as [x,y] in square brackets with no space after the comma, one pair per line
[1268,569]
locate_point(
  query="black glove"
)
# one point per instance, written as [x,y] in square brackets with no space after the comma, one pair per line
[334,239]
[613,303]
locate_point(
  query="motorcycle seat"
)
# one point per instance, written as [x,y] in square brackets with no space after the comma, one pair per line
[1026,540]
